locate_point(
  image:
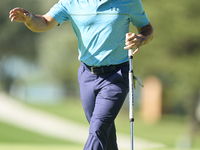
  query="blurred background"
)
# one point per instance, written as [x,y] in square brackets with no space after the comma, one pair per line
[39,70]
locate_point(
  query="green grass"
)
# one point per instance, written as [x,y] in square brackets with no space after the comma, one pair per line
[167,131]
[38,147]
[17,135]
[72,110]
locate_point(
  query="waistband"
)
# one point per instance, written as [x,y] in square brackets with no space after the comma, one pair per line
[104,69]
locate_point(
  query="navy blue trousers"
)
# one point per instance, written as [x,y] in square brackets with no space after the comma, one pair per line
[102,97]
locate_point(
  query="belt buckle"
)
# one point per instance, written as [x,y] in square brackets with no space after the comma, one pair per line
[92,69]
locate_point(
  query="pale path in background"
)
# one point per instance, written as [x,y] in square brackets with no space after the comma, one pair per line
[18,114]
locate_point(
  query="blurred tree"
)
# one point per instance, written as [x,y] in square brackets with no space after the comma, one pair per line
[174,54]
[15,39]
[58,53]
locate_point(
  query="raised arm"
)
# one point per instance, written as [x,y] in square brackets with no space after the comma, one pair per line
[36,23]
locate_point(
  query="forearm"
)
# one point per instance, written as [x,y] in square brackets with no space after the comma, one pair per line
[146,34]
[37,23]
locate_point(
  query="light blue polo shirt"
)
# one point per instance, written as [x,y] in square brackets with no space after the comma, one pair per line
[100,27]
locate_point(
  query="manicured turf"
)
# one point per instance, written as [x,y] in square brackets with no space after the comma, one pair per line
[168,131]
[16,135]
[38,147]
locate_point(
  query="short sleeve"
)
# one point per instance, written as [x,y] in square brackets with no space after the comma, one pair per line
[58,12]
[137,14]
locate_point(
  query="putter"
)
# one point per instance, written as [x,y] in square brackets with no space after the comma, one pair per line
[132,86]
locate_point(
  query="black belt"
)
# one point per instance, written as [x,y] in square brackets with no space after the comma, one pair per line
[104,69]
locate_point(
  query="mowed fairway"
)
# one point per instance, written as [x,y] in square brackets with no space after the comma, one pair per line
[167,131]
[57,147]
[16,138]
[28,126]
[37,147]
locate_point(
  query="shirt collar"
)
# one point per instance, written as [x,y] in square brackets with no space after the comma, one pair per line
[103,1]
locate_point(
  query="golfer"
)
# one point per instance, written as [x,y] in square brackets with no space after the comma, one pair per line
[102,29]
